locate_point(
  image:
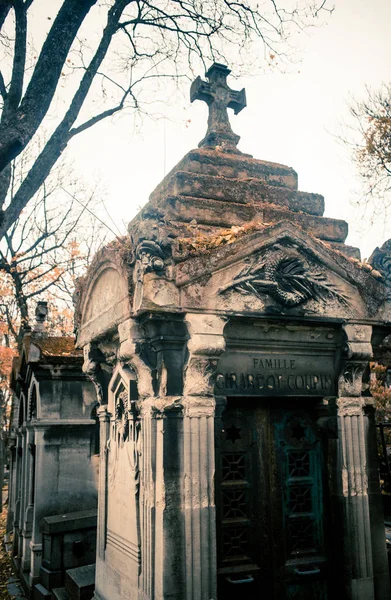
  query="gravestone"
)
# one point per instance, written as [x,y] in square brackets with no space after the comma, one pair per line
[228,339]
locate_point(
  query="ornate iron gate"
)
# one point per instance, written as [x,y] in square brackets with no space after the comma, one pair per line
[270,503]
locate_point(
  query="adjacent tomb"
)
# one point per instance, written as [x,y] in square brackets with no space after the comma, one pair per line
[228,338]
[53,467]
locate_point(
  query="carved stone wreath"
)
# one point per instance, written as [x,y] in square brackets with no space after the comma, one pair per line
[285,277]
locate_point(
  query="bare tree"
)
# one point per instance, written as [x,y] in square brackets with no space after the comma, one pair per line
[139,42]
[46,249]
[368,135]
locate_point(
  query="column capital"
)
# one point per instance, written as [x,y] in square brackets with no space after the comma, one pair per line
[131,339]
[92,367]
[198,406]
[103,414]
[161,406]
[357,352]
[205,346]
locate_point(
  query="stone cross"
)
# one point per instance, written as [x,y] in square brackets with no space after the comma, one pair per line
[218,97]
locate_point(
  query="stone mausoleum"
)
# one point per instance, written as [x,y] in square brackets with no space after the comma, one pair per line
[228,338]
[53,464]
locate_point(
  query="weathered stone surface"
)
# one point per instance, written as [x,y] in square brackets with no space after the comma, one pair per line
[250,191]
[80,582]
[248,324]
[60,594]
[221,164]
[218,97]
[349,251]
[215,213]
[40,592]
[52,466]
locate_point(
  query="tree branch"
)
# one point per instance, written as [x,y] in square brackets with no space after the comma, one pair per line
[16,133]
[16,86]
[103,115]
[3,88]
[5,7]
[58,141]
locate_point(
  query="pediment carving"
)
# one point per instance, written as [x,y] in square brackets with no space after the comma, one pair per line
[287,277]
[280,269]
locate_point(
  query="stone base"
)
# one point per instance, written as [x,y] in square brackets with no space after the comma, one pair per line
[80,582]
[51,579]
[60,594]
[40,592]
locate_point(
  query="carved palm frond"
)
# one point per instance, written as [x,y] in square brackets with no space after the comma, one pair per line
[245,281]
[287,279]
[316,286]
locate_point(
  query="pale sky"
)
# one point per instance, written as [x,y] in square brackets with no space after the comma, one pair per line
[290,119]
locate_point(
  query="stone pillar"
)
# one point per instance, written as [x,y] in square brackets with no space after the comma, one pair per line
[104,424]
[11,487]
[23,487]
[28,499]
[161,520]
[42,472]
[17,518]
[205,346]
[352,466]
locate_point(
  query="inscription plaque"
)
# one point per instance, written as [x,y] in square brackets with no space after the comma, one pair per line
[270,374]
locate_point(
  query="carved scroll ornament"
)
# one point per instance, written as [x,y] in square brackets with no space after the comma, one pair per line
[285,276]
[150,256]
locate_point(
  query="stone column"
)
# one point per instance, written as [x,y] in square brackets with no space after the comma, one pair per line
[28,499]
[104,425]
[205,346]
[160,499]
[18,493]
[11,487]
[23,486]
[352,468]
[42,472]
[152,435]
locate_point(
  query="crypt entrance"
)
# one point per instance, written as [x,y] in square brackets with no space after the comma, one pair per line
[273,432]
[271,500]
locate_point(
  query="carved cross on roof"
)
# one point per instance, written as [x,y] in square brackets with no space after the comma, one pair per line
[218,97]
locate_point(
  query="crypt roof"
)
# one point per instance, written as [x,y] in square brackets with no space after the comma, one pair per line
[213,207]
[44,350]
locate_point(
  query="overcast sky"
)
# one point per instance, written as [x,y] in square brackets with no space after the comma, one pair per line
[291,118]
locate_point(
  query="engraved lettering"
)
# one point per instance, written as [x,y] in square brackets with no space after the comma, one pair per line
[270,382]
[276,374]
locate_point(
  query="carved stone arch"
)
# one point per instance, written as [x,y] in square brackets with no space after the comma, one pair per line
[33,402]
[123,384]
[103,297]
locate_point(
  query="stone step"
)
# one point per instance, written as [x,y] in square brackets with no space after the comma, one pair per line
[350,251]
[241,191]
[40,592]
[80,582]
[60,594]
[219,214]
[238,166]
[232,166]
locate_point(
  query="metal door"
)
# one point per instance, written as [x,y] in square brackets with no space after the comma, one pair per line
[270,501]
